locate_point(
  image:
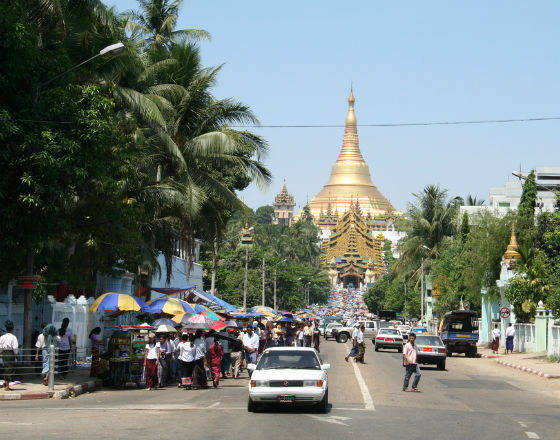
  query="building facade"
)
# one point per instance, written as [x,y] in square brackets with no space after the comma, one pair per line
[284,207]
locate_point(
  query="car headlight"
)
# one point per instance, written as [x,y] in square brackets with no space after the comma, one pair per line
[259,383]
[312,383]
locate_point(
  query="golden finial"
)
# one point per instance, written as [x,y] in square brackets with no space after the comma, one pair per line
[512,249]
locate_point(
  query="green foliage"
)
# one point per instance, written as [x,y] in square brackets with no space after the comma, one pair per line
[264,215]
[526,209]
[465,229]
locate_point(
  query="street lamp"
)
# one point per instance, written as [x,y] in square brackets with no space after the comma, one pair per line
[307,292]
[112,50]
[422,287]
[251,229]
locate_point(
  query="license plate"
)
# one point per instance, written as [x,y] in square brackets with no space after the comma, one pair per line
[427,349]
[463,336]
[285,398]
[390,340]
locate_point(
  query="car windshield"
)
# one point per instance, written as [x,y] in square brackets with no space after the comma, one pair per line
[429,340]
[404,328]
[289,359]
[389,331]
[419,329]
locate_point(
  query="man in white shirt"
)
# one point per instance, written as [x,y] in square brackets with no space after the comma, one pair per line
[354,352]
[510,333]
[251,346]
[8,349]
[496,333]
[361,345]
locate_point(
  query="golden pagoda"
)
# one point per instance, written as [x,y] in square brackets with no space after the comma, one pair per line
[512,252]
[353,255]
[350,181]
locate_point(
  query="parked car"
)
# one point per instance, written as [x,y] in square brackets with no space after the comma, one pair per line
[388,338]
[431,350]
[405,330]
[330,328]
[289,375]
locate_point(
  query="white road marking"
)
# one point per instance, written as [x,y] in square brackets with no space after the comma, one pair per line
[17,423]
[214,405]
[368,401]
[532,434]
[523,425]
[337,420]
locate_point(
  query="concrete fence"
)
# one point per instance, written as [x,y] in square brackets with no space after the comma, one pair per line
[524,339]
[554,340]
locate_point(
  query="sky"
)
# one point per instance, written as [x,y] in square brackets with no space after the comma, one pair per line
[411,61]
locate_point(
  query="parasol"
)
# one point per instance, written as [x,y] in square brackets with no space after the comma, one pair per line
[118,302]
[266,311]
[171,306]
[197,321]
[163,321]
[165,328]
[232,324]
[224,335]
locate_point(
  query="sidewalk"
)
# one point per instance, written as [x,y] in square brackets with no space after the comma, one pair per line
[533,363]
[75,383]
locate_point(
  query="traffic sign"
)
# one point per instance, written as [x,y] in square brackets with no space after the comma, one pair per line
[505,312]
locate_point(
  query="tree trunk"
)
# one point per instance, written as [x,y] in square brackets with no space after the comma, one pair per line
[214,254]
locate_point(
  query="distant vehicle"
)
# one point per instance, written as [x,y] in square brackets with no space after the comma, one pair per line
[431,350]
[419,331]
[289,376]
[405,330]
[344,333]
[388,338]
[458,332]
[330,328]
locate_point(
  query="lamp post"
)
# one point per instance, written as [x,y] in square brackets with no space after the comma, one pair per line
[247,232]
[263,275]
[307,292]
[422,286]
[112,50]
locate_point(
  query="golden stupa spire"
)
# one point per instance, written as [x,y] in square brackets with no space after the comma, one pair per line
[350,143]
[512,249]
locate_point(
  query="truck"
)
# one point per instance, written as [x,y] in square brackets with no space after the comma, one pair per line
[459,333]
[343,334]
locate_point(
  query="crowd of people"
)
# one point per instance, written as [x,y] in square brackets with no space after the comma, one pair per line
[192,360]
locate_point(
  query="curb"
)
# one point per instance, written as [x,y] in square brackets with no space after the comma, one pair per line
[526,369]
[490,356]
[70,391]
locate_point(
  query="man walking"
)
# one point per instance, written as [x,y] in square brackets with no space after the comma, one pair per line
[8,350]
[510,334]
[354,352]
[251,345]
[361,345]
[410,360]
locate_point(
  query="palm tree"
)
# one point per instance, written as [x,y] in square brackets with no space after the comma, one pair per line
[431,222]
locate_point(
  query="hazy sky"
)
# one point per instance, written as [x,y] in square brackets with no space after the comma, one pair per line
[409,61]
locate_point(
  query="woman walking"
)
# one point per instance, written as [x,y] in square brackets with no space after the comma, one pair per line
[236,352]
[44,341]
[151,360]
[95,343]
[216,353]
[163,364]
[8,349]
[186,358]
[64,348]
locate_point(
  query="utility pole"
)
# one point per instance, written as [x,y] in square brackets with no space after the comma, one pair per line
[405,294]
[274,289]
[245,280]
[214,254]
[263,275]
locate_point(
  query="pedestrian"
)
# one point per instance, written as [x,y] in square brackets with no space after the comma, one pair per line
[226,359]
[163,364]
[361,345]
[95,342]
[510,334]
[8,349]
[307,334]
[151,361]
[496,339]
[236,350]
[186,359]
[410,361]
[64,348]
[316,338]
[251,346]
[299,336]
[176,364]
[216,353]
[199,370]
[262,337]
[354,351]
[44,341]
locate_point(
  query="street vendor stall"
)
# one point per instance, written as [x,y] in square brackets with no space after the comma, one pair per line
[127,346]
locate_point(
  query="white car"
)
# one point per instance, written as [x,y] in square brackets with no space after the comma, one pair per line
[329,329]
[289,375]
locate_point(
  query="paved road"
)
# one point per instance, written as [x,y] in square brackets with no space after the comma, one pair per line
[471,400]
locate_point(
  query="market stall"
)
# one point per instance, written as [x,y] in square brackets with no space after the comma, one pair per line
[127,346]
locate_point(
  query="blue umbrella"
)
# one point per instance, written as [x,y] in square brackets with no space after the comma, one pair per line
[164,321]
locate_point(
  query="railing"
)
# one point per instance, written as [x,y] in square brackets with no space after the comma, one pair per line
[554,341]
[524,339]
[47,363]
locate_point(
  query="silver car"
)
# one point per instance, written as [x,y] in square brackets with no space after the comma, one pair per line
[329,329]
[431,350]
[388,338]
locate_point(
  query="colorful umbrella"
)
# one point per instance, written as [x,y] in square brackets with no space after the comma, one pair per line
[266,311]
[118,302]
[163,321]
[196,321]
[164,328]
[232,324]
[210,314]
[171,306]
